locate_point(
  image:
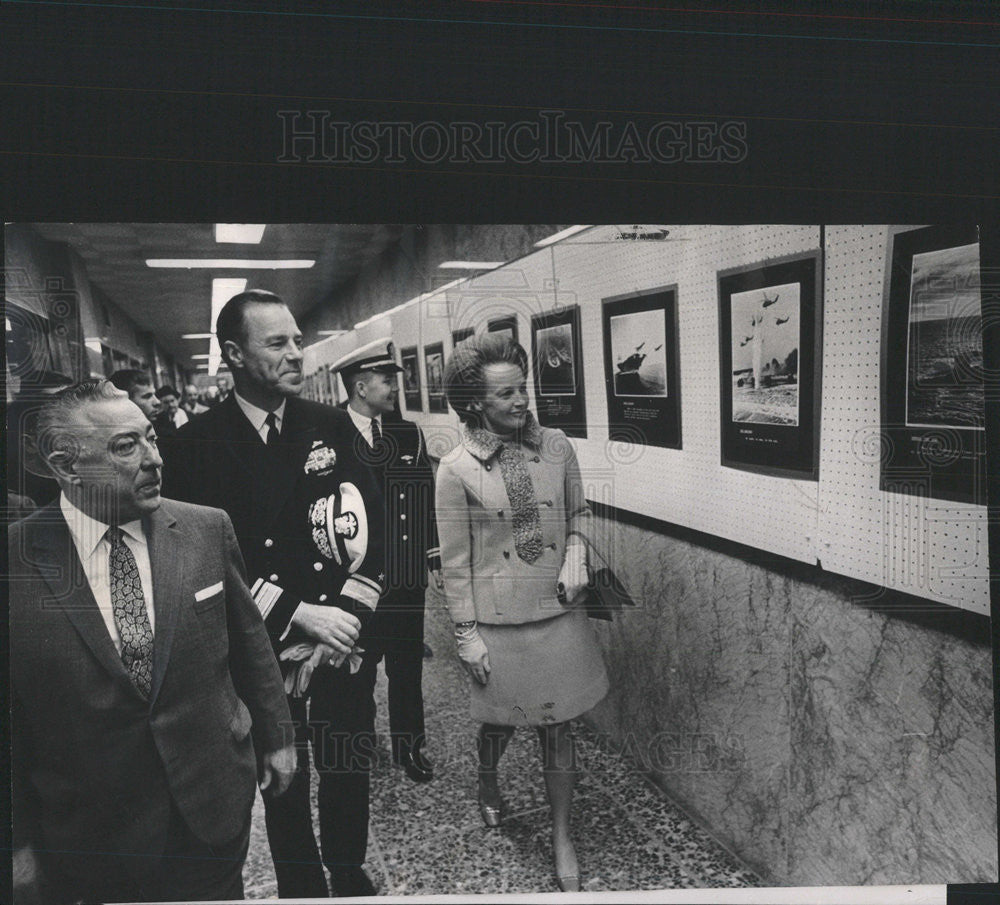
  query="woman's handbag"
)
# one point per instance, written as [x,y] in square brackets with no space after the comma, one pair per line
[604,594]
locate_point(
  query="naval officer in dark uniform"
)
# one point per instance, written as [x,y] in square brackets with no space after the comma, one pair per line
[398,455]
[308,517]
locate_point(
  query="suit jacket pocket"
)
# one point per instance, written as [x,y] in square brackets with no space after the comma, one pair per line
[203,606]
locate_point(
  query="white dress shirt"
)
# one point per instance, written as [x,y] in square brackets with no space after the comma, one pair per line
[94,550]
[180,418]
[364,424]
[258,416]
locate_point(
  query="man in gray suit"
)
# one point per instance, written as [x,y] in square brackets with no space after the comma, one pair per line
[142,676]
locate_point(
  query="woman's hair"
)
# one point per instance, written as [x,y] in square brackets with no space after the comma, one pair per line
[464,381]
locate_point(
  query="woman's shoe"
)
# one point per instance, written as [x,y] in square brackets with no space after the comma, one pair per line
[569,884]
[565,858]
[492,814]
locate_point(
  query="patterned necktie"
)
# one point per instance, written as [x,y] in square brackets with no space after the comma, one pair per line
[131,616]
[376,434]
[525,522]
[272,429]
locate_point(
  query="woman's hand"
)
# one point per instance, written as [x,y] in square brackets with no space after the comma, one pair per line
[473,654]
[573,575]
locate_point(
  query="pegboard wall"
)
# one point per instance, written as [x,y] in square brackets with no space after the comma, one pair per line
[932,549]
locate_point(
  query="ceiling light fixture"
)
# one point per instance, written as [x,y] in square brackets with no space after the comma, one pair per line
[231,263]
[197,335]
[559,236]
[240,233]
[223,289]
[470,265]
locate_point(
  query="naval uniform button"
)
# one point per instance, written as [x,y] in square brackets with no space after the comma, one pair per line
[273,577]
[318,566]
[488,467]
[269,543]
[402,496]
[402,516]
[322,598]
[405,537]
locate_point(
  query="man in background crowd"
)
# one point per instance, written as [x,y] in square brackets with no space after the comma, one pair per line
[191,403]
[171,410]
[222,388]
[139,386]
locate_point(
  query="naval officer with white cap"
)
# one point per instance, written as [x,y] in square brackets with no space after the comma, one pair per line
[397,452]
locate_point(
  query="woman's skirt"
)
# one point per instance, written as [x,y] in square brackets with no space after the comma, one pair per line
[540,672]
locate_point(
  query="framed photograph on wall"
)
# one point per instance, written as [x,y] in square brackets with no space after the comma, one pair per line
[933,395]
[434,365]
[770,328]
[557,357]
[411,379]
[642,368]
[506,325]
[458,335]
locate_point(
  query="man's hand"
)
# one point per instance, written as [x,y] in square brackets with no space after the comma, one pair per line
[278,770]
[329,625]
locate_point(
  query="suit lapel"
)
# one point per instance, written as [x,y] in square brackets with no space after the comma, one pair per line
[238,434]
[58,563]
[167,552]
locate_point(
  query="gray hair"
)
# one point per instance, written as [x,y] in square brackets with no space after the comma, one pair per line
[53,436]
[464,380]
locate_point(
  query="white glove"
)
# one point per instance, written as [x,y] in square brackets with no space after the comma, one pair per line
[473,654]
[573,575]
[310,656]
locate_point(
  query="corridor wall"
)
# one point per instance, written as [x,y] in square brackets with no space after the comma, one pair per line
[814,692]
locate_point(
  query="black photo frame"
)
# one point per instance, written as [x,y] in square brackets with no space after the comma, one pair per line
[462,333]
[933,391]
[506,324]
[410,378]
[557,368]
[434,371]
[770,330]
[642,368]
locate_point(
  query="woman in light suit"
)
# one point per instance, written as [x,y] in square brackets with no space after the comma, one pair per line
[511,519]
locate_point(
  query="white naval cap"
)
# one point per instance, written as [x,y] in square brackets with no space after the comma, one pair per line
[374,356]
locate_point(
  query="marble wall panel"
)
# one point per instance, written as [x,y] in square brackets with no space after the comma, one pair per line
[893,770]
[700,687]
[822,742]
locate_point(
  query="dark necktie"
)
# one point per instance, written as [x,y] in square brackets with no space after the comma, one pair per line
[272,429]
[376,434]
[129,609]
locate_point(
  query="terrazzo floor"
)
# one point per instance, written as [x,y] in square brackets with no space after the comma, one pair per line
[429,839]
